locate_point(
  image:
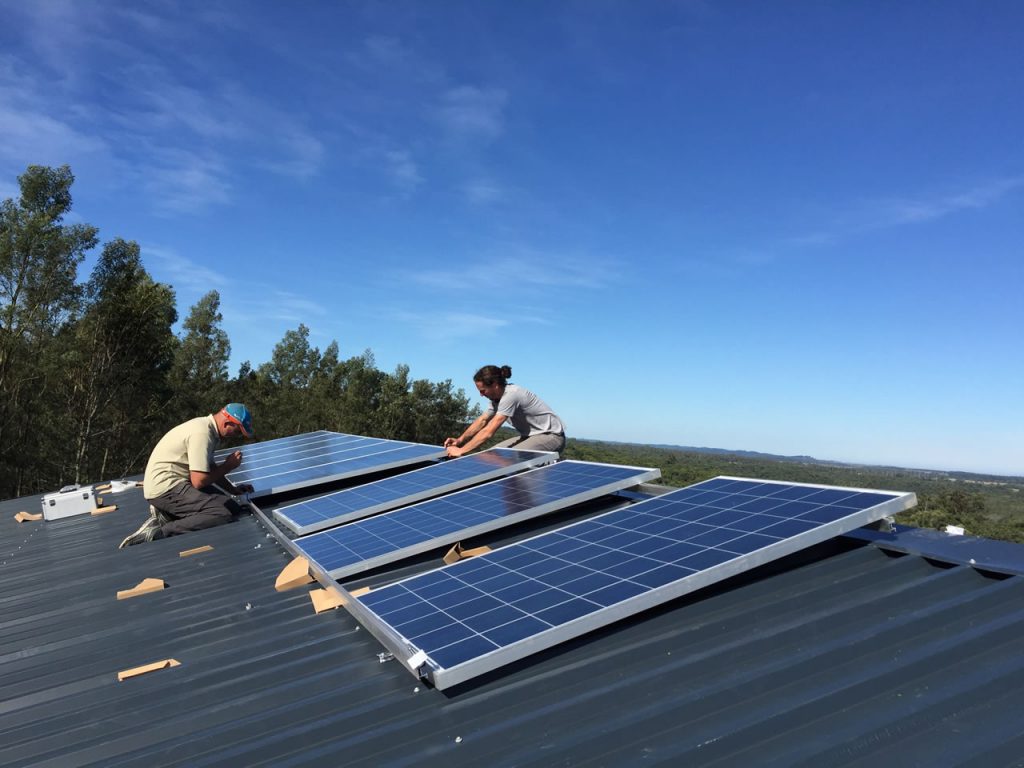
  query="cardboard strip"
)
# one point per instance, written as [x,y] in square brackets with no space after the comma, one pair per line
[136,671]
[457,553]
[295,574]
[324,600]
[196,551]
[21,517]
[104,510]
[144,587]
[102,488]
[360,592]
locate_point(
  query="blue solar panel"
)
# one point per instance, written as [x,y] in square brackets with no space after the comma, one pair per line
[374,541]
[408,488]
[293,462]
[456,622]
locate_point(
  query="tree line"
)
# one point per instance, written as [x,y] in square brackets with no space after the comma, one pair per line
[92,372]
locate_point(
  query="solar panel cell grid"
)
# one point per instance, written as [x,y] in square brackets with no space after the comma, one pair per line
[293,462]
[389,493]
[538,586]
[357,546]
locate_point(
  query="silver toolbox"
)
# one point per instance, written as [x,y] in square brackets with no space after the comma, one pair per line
[79,501]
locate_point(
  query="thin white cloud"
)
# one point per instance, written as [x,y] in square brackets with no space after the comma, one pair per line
[483,192]
[289,306]
[390,57]
[403,171]
[443,327]
[892,212]
[30,134]
[170,107]
[911,211]
[110,81]
[534,272]
[184,274]
[180,181]
[303,155]
[380,50]
[470,112]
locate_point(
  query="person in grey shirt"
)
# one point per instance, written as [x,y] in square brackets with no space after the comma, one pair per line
[538,426]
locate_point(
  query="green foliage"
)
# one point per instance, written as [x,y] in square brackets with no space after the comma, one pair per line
[92,374]
[114,365]
[39,258]
[199,375]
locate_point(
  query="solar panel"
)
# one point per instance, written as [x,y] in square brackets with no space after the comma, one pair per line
[407,488]
[455,622]
[294,462]
[375,541]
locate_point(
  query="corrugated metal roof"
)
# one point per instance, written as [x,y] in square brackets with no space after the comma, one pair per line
[842,655]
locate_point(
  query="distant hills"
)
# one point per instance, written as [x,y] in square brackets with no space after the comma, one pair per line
[969,476]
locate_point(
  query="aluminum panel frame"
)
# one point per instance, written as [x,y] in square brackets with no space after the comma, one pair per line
[541,458]
[322,449]
[421,665]
[644,474]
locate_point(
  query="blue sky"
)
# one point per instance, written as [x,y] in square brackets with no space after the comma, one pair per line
[786,227]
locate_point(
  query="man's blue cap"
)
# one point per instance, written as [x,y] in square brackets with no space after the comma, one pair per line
[239,414]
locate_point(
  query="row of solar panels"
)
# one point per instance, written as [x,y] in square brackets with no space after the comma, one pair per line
[458,621]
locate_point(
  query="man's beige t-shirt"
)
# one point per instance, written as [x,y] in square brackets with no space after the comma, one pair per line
[187,447]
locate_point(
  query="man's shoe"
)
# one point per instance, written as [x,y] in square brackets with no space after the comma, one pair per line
[148,531]
[161,517]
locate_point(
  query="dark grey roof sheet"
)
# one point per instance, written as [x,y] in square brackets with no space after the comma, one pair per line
[842,655]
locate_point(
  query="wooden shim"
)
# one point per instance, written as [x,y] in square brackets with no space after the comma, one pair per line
[196,551]
[325,600]
[136,671]
[295,574]
[21,517]
[144,587]
[104,510]
[457,553]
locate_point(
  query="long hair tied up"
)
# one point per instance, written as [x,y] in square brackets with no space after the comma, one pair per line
[491,374]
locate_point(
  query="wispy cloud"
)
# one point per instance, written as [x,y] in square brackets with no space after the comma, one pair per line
[483,192]
[86,83]
[533,272]
[380,51]
[28,130]
[911,211]
[442,327]
[889,212]
[303,156]
[184,274]
[180,181]
[285,305]
[468,112]
[403,171]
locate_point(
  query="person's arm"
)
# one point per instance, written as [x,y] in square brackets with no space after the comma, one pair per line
[483,432]
[471,430]
[218,474]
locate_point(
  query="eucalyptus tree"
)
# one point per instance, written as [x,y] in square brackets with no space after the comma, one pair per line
[116,368]
[199,375]
[39,259]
